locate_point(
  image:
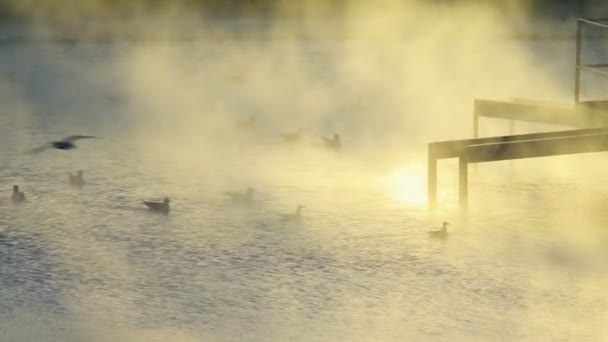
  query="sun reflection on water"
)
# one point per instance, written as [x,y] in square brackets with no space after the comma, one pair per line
[406,184]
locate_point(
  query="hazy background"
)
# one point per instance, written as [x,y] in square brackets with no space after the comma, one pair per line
[165,84]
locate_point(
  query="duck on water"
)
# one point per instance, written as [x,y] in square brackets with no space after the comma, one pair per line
[292,137]
[18,196]
[159,207]
[242,198]
[293,217]
[442,233]
[77,179]
[332,143]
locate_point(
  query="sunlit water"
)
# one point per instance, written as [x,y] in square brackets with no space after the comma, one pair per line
[92,264]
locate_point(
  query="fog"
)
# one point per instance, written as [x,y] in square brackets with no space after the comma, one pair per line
[168,90]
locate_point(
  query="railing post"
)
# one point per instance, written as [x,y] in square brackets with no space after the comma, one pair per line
[577,69]
[463,183]
[432,180]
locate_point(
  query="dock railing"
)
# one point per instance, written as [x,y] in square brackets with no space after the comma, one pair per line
[508,147]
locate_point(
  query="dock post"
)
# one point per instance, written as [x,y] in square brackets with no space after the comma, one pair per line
[463,183]
[475,120]
[432,181]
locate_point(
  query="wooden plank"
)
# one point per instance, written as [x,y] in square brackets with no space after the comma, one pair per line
[537,148]
[455,148]
[559,115]
[584,114]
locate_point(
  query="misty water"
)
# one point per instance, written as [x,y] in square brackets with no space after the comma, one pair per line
[93,264]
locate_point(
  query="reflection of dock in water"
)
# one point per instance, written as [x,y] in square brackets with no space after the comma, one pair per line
[589,117]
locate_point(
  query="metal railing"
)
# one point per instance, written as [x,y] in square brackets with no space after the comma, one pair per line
[596,68]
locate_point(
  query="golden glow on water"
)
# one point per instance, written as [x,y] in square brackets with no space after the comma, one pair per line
[406,184]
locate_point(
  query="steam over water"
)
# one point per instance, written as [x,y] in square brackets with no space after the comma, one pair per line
[92,264]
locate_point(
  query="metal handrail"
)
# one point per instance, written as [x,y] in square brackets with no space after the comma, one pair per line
[594,22]
[586,67]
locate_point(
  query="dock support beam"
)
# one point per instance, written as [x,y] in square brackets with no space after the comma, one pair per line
[475,120]
[432,181]
[463,183]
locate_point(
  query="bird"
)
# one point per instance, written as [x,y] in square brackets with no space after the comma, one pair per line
[293,217]
[359,106]
[442,233]
[18,196]
[236,77]
[242,198]
[161,207]
[292,137]
[63,144]
[248,123]
[115,99]
[77,179]
[332,143]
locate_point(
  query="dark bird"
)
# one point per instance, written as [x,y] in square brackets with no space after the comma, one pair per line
[63,144]
[441,233]
[293,217]
[292,137]
[249,123]
[77,179]
[332,143]
[161,207]
[115,99]
[242,198]
[18,196]
[359,106]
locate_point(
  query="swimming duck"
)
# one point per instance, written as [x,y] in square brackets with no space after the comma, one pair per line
[161,207]
[441,233]
[294,217]
[332,143]
[359,106]
[242,198]
[236,77]
[77,179]
[249,123]
[63,144]
[292,137]
[18,196]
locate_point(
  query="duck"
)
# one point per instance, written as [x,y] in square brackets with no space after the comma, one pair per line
[332,143]
[242,198]
[161,207]
[18,196]
[359,106]
[248,123]
[236,77]
[292,137]
[442,233]
[77,179]
[65,144]
[293,217]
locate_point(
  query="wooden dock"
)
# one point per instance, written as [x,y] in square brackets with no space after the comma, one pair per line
[481,150]
[589,117]
[579,115]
